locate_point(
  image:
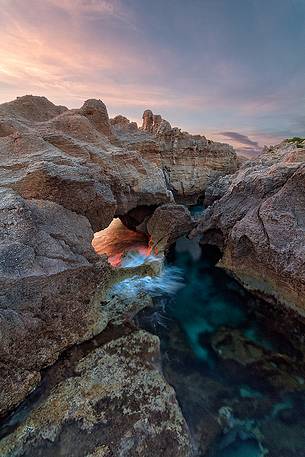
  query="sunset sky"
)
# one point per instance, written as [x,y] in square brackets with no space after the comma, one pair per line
[233,70]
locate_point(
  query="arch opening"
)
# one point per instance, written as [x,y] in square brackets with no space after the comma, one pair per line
[117,240]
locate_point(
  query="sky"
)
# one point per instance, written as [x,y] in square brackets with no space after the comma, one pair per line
[233,70]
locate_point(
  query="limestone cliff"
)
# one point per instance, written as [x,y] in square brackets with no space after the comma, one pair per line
[258,221]
[189,162]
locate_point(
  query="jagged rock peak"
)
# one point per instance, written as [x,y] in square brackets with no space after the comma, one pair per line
[148,121]
[153,123]
[96,112]
[122,123]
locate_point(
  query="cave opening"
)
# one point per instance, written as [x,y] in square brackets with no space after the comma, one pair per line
[117,240]
[126,233]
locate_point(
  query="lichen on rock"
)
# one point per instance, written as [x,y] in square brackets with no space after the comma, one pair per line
[117,403]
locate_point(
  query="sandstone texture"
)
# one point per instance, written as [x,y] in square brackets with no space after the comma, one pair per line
[258,221]
[65,175]
[61,179]
[48,272]
[66,159]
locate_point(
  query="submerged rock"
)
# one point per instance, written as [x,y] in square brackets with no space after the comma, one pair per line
[278,370]
[116,403]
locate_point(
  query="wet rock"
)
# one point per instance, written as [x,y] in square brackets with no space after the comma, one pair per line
[287,416]
[53,290]
[283,440]
[200,397]
[276,369]
[117,403]
[252,408]
[64,175]
[231,344]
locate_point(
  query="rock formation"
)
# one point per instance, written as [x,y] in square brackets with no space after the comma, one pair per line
[168,223]
[65,174]
[48,272]
[110,405]
[31,109]
[189,162]
[257,219]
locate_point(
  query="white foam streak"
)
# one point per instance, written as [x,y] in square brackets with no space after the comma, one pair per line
[168,282]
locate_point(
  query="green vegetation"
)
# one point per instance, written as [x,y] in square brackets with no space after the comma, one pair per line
[297,140]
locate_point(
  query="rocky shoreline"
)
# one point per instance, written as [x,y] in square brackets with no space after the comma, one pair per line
[65,174]
[256,218]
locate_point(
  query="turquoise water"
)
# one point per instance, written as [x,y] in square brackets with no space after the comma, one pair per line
[239,382]
[241,449]
[210,299]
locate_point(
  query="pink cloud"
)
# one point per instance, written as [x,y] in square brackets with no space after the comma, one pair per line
[72,50]
[41,58]
[48,61]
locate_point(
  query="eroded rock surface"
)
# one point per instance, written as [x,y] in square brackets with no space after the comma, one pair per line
[168,223]
[48,274]
[259,223]
[115,403]
[65,174]
[189,162]
[68,161]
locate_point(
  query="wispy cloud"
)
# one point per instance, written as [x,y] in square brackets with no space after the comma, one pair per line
[240,138]
[203,66]
[242,143]
[112,7]
[63,58]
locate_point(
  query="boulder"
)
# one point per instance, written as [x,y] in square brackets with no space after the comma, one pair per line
[48,275]
[168,223]
[277,369]
[96,112]
[31,108]
[121,123]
